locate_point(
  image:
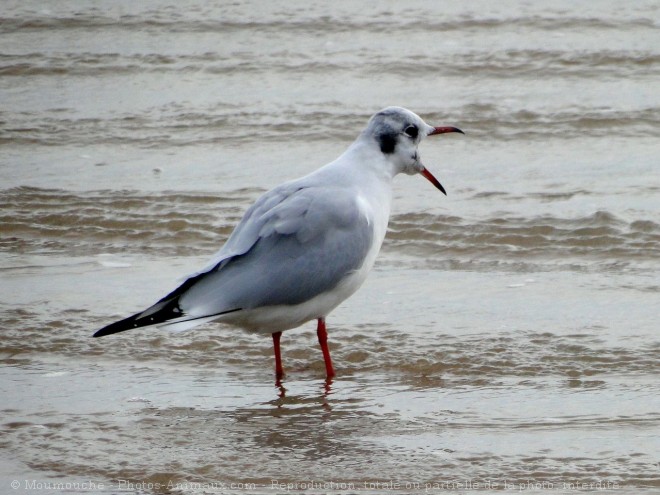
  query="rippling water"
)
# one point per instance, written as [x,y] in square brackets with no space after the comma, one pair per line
[507,339]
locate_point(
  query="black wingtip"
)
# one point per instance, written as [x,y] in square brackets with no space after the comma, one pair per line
[161,312]
[164,310]
[119,326]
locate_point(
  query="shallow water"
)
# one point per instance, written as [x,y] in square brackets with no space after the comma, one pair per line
[507,339]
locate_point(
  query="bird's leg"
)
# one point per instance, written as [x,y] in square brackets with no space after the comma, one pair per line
[323,340]
[279,371]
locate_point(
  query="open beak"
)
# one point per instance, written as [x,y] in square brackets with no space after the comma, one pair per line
[433,180]
[428,175]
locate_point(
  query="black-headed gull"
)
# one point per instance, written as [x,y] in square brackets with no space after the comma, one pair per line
[304,246]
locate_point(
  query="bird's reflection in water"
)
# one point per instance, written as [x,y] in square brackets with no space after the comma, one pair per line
[280,387]
[283,400]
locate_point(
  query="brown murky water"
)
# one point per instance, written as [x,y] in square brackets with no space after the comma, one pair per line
[507,339]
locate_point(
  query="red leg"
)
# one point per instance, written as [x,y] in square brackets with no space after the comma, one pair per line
[323,340]
[279,371]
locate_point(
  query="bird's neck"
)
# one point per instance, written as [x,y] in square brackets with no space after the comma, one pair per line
[364,158]
[364,168]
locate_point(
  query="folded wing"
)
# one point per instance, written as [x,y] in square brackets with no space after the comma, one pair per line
[296,242]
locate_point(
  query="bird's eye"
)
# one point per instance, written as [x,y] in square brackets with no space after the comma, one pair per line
[411,131]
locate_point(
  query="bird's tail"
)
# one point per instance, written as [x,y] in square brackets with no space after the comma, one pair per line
[167,313]
[158,314]
[121,326]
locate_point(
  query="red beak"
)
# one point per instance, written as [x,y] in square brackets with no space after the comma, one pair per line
[428,175]
[433,180]
[444,130]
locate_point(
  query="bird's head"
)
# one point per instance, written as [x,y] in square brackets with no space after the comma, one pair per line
[397,132]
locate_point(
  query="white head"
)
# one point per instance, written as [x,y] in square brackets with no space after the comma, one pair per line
[398,131]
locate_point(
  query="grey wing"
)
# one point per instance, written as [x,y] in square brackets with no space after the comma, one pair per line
[168,309]
[247,232]
[294,243]
[306,244]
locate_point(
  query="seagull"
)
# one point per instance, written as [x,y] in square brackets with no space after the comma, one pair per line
[303,247]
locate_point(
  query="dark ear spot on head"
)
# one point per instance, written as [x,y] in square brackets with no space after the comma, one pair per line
[387,142]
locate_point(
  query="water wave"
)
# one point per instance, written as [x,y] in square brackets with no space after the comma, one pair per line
[579,358]
[41,220]
[213,22]
[600,237]
[186,127]
[501,64]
